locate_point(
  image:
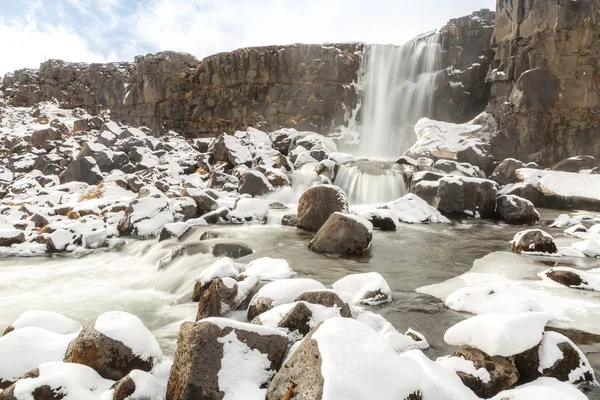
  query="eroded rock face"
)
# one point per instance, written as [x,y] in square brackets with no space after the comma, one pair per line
[301,86]
[544,79]
[461,89]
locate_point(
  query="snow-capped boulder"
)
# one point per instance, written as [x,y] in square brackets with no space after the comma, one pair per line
[516,210]
[250,210]
[47,320]
[381,219]
[590,248]
[204,202]
[279,292]
[485,375]
[318,203]
[83,169]
[327,298]
[183,208]
[534,241]
[506,171]
[254,183]
[222,268]
[58,380]
[343,234]
[412,209]
[296,319]
[564,221]
[230,149]
[362,366]
[269,269]
[27,348]
[542,388]
[367,288]
[224,295]
[8,237]
[146,216]
[456,168]
[556,356]
[174,230]
[138,385]
[465,196]
[573,278]
[576,163]
[220,358]
[499,334]
[115,344]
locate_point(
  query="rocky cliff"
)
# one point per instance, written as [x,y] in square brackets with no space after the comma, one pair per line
[461,88]
[308,87]
[545,79]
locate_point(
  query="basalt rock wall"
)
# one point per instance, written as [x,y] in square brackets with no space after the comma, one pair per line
[545,79]
[308,87]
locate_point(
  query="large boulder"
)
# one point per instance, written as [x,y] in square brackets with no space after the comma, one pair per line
[42,137]
[343,234]
[26,348]
[317,204]
[254,183]
[115,344]
[146,216]
[463,196]
[534,241]
[516,210]
[325,367]
[506,171]
[556,357]
[83,169]
[279,292]
[218,358]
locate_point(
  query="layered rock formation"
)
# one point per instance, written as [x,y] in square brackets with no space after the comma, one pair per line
[545,79]
[461,89]
[308,87]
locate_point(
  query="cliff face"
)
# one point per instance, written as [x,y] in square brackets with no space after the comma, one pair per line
[308,87]
[545,79]
[461,88]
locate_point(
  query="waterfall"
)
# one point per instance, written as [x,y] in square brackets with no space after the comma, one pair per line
[370,182]
[398,84]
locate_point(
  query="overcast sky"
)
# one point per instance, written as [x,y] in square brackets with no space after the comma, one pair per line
[111,30]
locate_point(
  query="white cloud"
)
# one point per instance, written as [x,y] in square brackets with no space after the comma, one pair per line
[28,44]
[102,30]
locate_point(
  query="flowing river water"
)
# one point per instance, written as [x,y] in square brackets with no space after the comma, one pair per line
[130,280]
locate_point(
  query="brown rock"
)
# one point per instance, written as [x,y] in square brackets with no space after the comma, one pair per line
[341,234]
[326,298]
[109,357]
[503,372]
[317,204]
[197,360]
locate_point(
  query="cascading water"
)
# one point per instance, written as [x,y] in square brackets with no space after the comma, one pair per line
[398,85]
[398,91]
[370,181]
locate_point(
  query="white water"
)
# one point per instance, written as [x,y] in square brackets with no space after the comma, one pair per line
[398,90]
[370,182]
